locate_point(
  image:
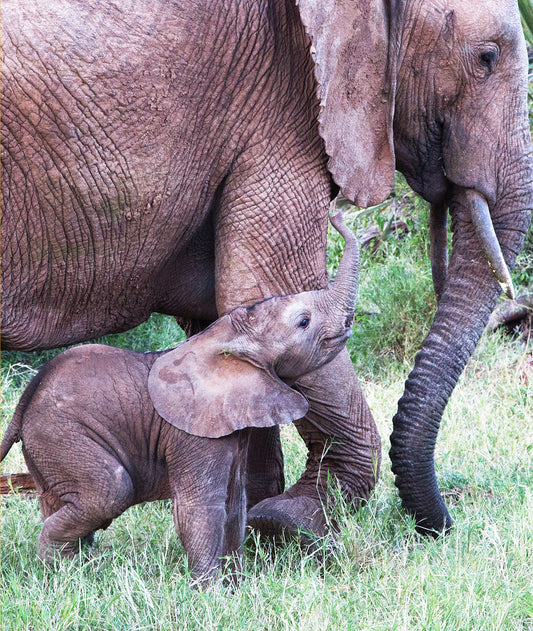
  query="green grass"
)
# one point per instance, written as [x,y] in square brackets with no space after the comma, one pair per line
[380,575]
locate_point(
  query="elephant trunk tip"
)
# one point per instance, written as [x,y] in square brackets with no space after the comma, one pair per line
[343,292]
[337,221]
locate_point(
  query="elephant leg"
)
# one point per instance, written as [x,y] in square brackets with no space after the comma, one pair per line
[265,476]
[236,505]
[50,505]
[343,447]
[267,255]
[86,504]
[209,506]
[200,528]
[65,531]
[75,522]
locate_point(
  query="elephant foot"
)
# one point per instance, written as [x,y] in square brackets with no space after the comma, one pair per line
[283,517]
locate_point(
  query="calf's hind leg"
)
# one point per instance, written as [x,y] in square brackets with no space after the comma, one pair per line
[81,514]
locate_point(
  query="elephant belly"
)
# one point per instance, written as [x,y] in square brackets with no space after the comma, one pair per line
[46,305]
[61,291]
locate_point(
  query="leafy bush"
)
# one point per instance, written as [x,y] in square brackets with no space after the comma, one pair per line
[523,271]
[526,13]
[396,307]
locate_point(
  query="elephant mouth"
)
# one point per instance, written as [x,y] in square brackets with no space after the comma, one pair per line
[339,339]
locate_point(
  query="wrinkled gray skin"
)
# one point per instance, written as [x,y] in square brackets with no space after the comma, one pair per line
[167,157]
[95,444]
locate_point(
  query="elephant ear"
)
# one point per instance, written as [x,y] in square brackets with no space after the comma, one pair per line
[356,85]
[201,388]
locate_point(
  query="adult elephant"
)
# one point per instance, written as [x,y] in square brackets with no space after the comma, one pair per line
[168,157]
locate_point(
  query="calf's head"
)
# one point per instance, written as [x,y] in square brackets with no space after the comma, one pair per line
[235,373]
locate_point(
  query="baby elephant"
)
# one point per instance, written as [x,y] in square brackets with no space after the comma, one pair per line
[103,429]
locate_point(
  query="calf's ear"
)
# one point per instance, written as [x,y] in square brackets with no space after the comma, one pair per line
[201,388]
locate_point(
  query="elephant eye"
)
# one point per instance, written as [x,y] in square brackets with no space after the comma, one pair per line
[304,323]
[488,58]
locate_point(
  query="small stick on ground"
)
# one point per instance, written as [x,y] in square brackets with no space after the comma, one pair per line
[17,483]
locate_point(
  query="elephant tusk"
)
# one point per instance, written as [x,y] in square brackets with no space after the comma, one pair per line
[485,230]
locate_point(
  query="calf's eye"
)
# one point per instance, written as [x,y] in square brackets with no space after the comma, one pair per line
[304,323]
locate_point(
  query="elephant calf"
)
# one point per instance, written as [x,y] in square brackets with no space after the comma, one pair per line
[103,428]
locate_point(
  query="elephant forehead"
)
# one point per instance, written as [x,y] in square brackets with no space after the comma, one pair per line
[488,18]
[490,11]
[283,309]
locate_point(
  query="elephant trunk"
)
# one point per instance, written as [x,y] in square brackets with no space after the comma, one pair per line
[438,246]
[469,294]
[343,292]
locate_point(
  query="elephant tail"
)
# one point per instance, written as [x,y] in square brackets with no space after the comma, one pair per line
[11,436]
[14,431]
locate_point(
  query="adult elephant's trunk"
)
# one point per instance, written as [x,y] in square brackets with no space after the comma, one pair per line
[469,294]
[343,292]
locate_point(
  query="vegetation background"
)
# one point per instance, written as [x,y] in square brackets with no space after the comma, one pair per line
[380,574]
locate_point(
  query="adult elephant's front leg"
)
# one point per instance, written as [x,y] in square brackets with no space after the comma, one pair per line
[343,446]
[282,250]
[265,476]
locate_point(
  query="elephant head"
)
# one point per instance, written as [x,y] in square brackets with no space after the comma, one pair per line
[438,89]
[235,373]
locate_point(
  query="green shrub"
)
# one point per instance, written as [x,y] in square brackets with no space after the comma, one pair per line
[526,13]
[523,271]
[396,307]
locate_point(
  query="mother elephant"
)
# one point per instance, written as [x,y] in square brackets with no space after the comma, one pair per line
[165,156]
